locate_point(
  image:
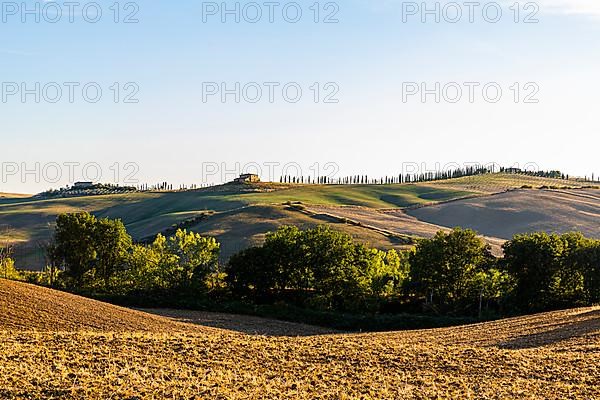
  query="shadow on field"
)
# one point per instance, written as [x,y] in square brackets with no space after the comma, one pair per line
[576,326]
[242,323]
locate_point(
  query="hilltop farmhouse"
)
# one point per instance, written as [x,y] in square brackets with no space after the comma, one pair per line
[247,178]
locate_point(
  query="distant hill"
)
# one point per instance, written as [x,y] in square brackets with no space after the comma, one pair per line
[241,214]
[148,213]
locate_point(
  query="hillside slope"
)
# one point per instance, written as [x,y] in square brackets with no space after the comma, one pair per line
[396,222]
[520,211]
[241,228]
[26,307]
[546,356]
[146,214]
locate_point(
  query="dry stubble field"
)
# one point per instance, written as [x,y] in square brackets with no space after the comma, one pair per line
[60,346]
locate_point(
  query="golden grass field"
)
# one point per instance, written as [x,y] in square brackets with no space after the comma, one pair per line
[55,345]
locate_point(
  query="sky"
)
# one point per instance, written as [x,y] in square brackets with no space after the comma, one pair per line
[196,92]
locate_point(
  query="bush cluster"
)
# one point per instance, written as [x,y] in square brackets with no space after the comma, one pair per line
[99,255]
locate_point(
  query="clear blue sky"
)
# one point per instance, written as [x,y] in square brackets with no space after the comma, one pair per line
[368,57]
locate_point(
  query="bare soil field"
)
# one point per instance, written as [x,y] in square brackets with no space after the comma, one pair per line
[394,221]
[546,356]
[26,307]
[520,211]
[241,323]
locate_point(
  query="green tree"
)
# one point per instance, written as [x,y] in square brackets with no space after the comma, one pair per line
[340,268]
[389,271]
[141,272]
[186,258]
[494,285]
[284,251]
[569,283]
[183,261]
[111,243]
[535,260]
[250,271]
[326,266]
[586,260]
[7,265]
[75,244]
[444,268]
[8,270]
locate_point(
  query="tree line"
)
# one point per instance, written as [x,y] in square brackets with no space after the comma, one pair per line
[429,176]
[453,273]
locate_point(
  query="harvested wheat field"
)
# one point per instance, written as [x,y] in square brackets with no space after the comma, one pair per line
[392,221]
[520,211]
[60,346]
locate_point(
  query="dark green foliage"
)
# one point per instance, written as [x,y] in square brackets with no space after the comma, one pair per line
[111,243]
[74,245]
[323,265]
[182,262]
[89,249]
[322,269]
[552,270]
[587,260]
[454,269]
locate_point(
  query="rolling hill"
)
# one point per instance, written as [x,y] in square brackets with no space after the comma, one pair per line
[387,216]
[52,346]
[146,214]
